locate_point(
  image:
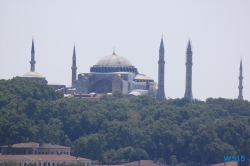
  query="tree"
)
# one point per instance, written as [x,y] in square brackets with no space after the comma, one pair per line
[138,154]
[173,161]
[205,143]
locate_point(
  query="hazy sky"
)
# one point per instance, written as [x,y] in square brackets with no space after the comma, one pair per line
[219,31]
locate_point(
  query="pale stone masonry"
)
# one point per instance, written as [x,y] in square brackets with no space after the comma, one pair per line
[240,81]
[189,63]
[161,69]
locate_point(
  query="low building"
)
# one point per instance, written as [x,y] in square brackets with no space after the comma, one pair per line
[33,148]
[44,160]
[226,164]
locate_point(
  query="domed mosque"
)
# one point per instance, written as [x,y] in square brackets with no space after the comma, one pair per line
[32,74]
[111,73]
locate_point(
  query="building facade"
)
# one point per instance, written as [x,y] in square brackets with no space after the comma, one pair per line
[34,148]
[44,160]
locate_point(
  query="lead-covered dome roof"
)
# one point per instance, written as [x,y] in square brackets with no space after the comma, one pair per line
[113,63]
[113,60]
[33,74]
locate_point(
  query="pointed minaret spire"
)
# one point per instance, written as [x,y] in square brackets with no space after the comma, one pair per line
[32,62]
[74,68]
[161,69]
[189,49]
[189,63]
[74,53]
[240,81]
[161,45]
[114,51]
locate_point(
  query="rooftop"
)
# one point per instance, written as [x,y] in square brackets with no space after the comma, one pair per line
[113,60]
[33,74]
[40,158]
[35,145]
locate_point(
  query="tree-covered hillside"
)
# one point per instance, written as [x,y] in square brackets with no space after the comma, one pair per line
[117,128]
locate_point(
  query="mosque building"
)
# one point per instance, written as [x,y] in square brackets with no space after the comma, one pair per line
[111,73]
[114,72]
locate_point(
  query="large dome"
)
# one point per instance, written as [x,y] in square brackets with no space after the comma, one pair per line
[113,63]
[113,60]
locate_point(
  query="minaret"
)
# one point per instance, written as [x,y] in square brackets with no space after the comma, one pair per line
[161,65]
[32,62]
[240,81]
[74,66]
[189,63]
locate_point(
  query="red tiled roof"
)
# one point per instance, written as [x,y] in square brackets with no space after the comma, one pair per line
[40,158]
[143,163]
[53,146]
[24,145]
[226,164]
[36,145]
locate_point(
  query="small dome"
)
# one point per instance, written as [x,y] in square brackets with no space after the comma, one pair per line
[142,78]
[134,93]
[113,60]
[33,74]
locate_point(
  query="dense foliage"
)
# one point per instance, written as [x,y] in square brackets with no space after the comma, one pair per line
[117,128]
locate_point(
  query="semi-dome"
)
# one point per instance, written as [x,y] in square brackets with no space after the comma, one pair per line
[113,63]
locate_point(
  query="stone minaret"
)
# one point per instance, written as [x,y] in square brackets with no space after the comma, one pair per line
[32,62]
[161,65]
[74,66]
[240,81]
[189,63]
